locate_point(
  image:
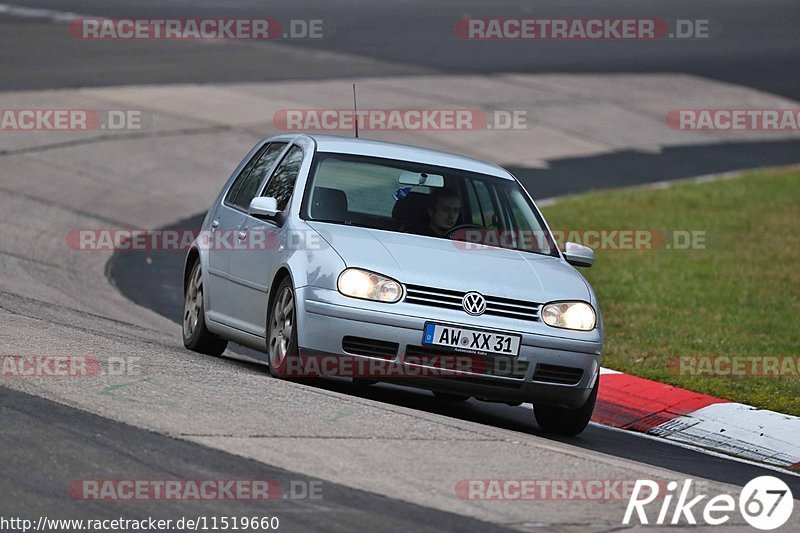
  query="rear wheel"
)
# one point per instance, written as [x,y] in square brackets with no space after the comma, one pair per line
[196,336]
[562,421]
[282,331]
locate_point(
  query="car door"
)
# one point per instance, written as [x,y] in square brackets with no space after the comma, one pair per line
[252,268]
[228,218]
[223,222]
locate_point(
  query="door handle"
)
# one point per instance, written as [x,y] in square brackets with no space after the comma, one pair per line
[214,225]
[242,234]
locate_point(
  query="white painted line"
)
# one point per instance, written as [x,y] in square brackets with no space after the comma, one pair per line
[732,430]
[699,449]
[689,446]
[738,429]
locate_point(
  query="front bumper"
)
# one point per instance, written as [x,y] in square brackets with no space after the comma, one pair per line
[325,317]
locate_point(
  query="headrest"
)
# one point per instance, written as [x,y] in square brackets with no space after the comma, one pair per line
[329,204]
[413,207]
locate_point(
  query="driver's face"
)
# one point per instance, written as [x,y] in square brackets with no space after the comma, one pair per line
[446,213]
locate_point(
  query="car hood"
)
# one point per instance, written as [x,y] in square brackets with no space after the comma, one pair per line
[418,260]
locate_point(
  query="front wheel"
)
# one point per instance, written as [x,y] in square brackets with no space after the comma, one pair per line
[196,336]
[562,421]
[282,331]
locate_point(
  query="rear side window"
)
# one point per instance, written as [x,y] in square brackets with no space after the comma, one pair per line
[281,184]
[247,182]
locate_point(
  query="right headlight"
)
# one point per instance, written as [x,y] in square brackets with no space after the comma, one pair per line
[569,315]
[358,283]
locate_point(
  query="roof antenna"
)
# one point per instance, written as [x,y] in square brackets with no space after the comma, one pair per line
[355,110]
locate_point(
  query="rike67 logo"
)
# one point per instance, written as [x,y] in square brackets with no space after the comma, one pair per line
[765,503]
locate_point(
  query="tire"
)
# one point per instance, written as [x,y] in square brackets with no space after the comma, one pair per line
[282,330]
[196,336]
[562,421]
[450,397]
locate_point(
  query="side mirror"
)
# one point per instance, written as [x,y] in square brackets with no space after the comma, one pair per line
[263,207]
[578,255]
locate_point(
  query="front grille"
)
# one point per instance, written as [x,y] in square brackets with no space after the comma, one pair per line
[449,299]
[370,347]
[557,374]
[490,364]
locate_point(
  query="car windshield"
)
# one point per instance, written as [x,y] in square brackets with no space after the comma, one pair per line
[411,197]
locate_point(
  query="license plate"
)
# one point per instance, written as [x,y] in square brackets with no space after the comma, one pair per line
[471,340]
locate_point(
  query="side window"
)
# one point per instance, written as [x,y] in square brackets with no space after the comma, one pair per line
[474,207]
[237,183]
[281,183]
[521,223]
[247,190]
[485,203]
[525,222]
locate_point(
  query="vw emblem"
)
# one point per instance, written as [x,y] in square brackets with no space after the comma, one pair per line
[474,303]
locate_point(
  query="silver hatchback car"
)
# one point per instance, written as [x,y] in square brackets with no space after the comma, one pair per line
[382,262]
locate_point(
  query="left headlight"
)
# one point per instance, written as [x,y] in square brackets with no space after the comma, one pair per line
[569,315]
[367,285]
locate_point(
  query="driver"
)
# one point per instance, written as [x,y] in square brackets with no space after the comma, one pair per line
[444,206]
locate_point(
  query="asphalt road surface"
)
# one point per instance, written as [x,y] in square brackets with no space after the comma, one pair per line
[750,43]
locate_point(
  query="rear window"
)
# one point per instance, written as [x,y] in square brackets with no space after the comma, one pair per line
[370,188]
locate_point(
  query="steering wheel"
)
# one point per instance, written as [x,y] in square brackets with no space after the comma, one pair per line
[449,233]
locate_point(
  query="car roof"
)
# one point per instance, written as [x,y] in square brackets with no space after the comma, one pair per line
[349,145]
